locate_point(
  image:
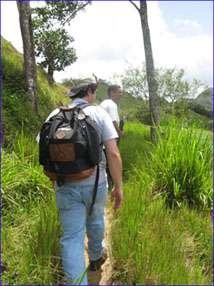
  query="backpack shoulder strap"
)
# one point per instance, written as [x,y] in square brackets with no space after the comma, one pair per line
[83,105]
[95,189]
[66,108]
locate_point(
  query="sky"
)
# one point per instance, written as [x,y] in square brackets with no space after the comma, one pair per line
[108,37]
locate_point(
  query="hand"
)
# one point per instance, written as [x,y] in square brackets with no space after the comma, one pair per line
[117,196]
[121,133]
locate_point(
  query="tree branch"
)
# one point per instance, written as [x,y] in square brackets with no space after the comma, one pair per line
[96,78]
[66,21]
[132,2]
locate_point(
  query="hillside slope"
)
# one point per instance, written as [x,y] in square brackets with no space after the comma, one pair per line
[203,103]
[17,113]
[205,99]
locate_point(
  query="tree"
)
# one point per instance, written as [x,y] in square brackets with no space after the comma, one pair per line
[53,48]
[172,84]
[52,42]
[150,70]
[134,81]
[175,88]
[61,11]
[29,55]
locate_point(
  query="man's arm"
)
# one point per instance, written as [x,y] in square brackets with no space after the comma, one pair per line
[119,131]
[115,168]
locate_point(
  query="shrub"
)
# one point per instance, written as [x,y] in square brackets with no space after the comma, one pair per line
[182,167]
[22,177]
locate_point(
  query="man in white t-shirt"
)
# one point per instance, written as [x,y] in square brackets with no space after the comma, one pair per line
[110,105]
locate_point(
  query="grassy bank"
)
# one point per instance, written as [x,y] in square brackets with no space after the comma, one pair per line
[17,114]
[30,228]
[153,243]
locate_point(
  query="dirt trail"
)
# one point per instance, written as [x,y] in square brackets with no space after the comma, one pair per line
[104,276]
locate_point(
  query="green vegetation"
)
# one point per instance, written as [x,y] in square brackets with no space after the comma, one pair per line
[151,242]
[51,40]
[30,231]
[182,164]
[17,106]
[136,109]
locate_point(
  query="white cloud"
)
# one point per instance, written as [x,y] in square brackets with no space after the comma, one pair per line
[10,24]
[186,27]
[108,35]
[187,23]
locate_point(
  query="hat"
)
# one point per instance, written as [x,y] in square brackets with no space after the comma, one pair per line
[80,87]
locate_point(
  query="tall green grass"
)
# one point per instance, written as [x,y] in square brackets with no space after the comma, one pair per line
[31,247]
[30,232]
[182,167]
[131,147]
[30,226]
[21,182]
[153,244]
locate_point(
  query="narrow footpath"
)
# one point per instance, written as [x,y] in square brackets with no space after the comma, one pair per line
[104,276]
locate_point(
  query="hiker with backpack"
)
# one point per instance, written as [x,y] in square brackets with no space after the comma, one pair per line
[71,152]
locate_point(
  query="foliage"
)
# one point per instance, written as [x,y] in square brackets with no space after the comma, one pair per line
[12,62]
[183,112]
[31,253]
[22,178]
[30,220]
[52,42]
[171,83]
[173,86]
[153,244]
[16,115]
[60,11]
[188,119]
[134,81]
[52,46]
[181,165]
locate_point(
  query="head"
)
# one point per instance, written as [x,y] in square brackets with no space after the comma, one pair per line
[114,92]
[86,90]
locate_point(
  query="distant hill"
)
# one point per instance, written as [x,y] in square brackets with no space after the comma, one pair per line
[203,103]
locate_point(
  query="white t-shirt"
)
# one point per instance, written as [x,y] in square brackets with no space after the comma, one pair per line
[111,108]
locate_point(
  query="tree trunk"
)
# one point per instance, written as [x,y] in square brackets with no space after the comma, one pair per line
[150,71]
[50,76]
[28,48]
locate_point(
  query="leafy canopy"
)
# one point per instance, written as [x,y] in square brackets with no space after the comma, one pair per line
[172,84]
[52,46]
[60,11]
[52,42]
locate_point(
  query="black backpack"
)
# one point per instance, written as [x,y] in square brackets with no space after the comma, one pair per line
[70,146]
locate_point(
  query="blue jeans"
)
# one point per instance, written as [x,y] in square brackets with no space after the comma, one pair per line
[74,203]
